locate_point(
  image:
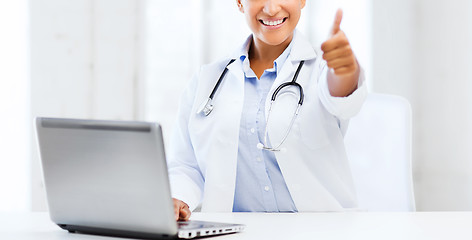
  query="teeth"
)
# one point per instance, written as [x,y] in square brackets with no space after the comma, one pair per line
[272,23]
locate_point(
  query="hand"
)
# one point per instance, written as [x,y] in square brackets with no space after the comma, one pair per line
[344,69]
[181,210]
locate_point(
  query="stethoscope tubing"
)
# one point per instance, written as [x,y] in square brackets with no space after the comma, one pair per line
[207,107]
[212,94]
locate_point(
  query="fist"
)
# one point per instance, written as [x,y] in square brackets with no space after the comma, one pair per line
[344,69]
[181,210]
[337,51]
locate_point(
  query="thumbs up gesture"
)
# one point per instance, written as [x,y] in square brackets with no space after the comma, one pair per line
[344,69]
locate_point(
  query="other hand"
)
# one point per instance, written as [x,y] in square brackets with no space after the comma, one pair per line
[181,210]
[344,69]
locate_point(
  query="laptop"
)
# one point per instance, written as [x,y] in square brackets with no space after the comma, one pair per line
[110,178]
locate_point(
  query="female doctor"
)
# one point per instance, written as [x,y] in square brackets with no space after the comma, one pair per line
[263,129]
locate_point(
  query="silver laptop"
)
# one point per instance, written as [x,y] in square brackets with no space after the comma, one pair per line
[110,178]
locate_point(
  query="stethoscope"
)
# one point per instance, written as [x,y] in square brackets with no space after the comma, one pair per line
[207,106]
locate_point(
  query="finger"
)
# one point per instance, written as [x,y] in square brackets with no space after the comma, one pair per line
[345,70]
[337,41]
[338,53]
[184,214]
[340,62]
[337,22]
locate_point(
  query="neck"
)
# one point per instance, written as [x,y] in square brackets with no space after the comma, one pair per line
[265,53]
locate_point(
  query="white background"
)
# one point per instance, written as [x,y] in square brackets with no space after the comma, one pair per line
[130,59]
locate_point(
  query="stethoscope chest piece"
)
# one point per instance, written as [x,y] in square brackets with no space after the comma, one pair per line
[205,108]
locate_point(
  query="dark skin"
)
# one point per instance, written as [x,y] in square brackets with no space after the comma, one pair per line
[181,210]
[262,55]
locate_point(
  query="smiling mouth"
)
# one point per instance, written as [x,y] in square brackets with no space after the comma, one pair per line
[273,23]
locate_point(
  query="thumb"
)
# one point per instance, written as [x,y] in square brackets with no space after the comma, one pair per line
[337,22]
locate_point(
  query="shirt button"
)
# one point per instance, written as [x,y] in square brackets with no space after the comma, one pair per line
[253,130]
[266,188]
[259,159]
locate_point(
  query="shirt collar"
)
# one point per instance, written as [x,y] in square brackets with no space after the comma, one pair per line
[244,57]
[278,63]
[301,48]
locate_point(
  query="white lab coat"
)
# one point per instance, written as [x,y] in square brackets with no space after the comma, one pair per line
[204,149]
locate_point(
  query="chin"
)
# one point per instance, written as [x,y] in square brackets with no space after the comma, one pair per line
[276,39]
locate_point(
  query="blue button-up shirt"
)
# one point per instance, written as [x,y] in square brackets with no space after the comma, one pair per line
[260,185]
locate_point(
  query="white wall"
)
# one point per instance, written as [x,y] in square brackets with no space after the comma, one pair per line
[442,94]
[422,51]
[84,64]
[14,115]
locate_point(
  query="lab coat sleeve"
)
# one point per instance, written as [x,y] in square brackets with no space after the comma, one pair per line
[185,176]
[342,107]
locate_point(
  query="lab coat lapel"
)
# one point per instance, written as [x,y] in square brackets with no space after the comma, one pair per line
[301,50]
[221,170]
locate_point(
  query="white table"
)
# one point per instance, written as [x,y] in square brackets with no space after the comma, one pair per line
[325,226]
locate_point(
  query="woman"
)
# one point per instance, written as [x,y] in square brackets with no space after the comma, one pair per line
[235,152]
